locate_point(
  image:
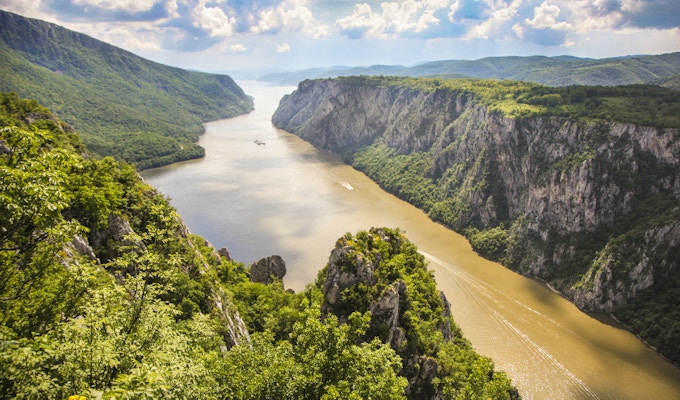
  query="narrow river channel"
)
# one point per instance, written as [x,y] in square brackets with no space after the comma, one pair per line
[260,191]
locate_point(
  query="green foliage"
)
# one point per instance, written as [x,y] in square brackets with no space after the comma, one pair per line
[395,261]
[645,105]
[490,243]
[124,106]
[659,70]
[467,375]
[66,325]
[150,311]
[402,174]
[320,361]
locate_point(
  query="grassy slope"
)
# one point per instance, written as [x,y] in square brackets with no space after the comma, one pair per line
[123,105]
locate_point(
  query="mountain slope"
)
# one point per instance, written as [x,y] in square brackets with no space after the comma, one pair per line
[556,183]
[122,104]
[552,71]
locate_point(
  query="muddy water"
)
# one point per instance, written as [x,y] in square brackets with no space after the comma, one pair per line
[285,197]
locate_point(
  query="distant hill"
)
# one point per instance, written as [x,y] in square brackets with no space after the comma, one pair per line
[121,104]
[552,71]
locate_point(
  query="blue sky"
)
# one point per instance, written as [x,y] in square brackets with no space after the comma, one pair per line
[231,35]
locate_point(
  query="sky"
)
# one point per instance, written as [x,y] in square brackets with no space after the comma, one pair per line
[258,35]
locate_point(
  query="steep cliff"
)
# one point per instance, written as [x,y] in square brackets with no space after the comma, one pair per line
[556,190]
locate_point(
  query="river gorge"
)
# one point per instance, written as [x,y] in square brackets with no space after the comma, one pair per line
[261,191]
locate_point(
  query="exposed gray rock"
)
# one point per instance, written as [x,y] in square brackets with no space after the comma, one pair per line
[237,331]
[3,148]
[83,247]
[420,387]
[600,289]
[445,328]
[268,269]
[386,311]
[345,269]
[223,252]
[118,229]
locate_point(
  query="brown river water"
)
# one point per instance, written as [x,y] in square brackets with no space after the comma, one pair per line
[285,197]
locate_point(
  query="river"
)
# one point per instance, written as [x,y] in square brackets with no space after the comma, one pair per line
[285,197]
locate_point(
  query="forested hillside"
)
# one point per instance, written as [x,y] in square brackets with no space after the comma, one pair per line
[121,104]
[578,186]
[104,293]
[659,70]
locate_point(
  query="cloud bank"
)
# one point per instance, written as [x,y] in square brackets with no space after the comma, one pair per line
[237,25]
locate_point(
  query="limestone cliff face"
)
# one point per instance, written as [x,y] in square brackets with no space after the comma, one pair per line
[335,116]
[566,190]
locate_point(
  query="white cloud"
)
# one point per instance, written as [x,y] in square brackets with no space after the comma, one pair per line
[172,8]
[497,25]
[238,48]
[213,20]
[362,22]
[596,15]
[118,5]
[519,30]
[132,36]
[545,17]
[408,16]
[484,27]
[32,9]
[282,48]
[289,16]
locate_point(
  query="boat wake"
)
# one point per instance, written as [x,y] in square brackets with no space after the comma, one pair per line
[480,293]
[341,181]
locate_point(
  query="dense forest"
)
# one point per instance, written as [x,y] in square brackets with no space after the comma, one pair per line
[575,185]
[104,293]
[122,105]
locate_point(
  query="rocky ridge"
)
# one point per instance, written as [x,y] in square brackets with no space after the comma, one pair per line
[362,275]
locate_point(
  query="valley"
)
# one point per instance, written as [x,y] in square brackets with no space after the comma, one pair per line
[291,199]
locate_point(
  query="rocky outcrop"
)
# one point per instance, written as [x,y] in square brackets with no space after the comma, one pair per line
[224,252]
[83,248]
[369,274]
[267,270]
[118,229]
[236,330]
[346,268]
[591,207]
[386,311]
